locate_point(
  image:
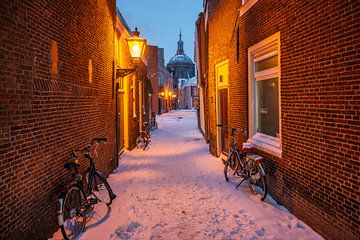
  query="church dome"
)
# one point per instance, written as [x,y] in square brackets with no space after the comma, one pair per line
[180,60]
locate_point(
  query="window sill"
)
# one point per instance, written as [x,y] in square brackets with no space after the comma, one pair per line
[267,144]
[247,6]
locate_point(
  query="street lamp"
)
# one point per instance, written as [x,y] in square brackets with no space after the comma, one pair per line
[136,46]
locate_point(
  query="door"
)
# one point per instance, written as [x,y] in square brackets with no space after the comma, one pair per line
[223,119]
[222,106]
[121,122]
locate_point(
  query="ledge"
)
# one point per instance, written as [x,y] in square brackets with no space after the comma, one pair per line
[247,6]
[267,144]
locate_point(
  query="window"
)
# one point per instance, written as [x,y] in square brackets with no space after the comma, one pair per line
[246,5]
[264,95]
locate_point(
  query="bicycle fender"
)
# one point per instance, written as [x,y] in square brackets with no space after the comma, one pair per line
[261,169]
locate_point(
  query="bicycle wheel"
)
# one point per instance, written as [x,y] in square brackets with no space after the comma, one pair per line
[143,140]
[101,188]
[231,166]
[257,179]
[73,213]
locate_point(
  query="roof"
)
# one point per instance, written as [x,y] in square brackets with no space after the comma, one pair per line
[180,60]
[187,82]
[122,20]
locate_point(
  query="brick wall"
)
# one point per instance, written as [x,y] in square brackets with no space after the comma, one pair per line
[317,178]
[152,56]
[45,114]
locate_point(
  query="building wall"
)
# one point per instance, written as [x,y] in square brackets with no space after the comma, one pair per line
[317,178]
[48,104]
[201,57]
[152,56]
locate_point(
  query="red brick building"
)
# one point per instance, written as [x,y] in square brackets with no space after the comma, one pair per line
[160,80]
[133,89]
[58,90]
[288,72]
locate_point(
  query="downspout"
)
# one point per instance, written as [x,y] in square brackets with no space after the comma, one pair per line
[117,124]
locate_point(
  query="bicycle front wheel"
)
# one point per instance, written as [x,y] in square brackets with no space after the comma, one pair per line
[73,213]
[231,166]
[257,179]
[100,188]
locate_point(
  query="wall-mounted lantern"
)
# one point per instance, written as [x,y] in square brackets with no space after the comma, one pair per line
[136,45]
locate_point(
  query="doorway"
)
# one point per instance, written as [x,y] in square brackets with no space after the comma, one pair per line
[223,119]
[221,71]
[121,121]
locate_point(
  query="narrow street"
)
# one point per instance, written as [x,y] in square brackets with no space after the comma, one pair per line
[176,190]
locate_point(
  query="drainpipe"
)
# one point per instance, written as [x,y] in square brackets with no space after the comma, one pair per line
[117,125]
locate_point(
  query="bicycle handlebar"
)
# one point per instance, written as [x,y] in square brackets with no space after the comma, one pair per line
[233,130]
[87,148]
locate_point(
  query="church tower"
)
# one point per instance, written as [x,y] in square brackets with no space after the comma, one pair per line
[180,65]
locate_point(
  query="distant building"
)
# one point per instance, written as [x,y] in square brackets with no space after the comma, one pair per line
[160,79]
[187,93]
[182,69]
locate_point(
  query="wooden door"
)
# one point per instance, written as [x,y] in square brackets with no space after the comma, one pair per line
[223,119]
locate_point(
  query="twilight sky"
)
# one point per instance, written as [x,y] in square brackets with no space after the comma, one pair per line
[159,21]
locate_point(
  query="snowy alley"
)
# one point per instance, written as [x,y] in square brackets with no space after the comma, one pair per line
[177,190]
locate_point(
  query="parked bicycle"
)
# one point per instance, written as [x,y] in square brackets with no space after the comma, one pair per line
[143,140]
[245,164]
[153,124]
[76,197]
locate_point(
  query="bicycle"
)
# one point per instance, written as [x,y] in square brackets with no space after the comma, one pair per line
[143,140]
[153,124]
[76,197]
[246,164]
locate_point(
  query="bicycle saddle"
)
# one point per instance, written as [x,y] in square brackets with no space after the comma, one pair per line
[75,165]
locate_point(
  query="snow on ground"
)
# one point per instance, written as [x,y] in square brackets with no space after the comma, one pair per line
[177,190]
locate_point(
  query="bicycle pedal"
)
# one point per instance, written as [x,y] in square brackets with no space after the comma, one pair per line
[240,174]
[92,201]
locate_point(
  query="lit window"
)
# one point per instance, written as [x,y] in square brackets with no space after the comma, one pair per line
[264,95]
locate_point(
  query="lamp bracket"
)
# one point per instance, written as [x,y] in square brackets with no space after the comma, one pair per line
[122,72]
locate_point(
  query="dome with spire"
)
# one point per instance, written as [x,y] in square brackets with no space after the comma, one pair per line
[181,64]
[180,58]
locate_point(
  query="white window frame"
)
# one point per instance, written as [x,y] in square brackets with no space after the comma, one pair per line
[246,5]
[267,48]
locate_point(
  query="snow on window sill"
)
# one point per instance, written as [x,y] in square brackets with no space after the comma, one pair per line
[267,144]
[247,6]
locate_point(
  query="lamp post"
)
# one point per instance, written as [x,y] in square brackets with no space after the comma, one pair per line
[136,46]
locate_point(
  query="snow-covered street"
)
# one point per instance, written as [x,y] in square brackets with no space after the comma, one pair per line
[177,190]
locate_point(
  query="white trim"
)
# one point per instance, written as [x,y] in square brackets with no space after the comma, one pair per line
[267,144]
[266,48]
[265,56]
[267,74]
[246,6]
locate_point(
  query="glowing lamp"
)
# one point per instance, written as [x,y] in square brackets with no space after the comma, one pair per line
[136,46]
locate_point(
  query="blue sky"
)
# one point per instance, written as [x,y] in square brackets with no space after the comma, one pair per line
[159,21]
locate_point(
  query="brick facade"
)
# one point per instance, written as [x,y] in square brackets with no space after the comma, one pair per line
[49,105]
[317,177]
[153,72]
